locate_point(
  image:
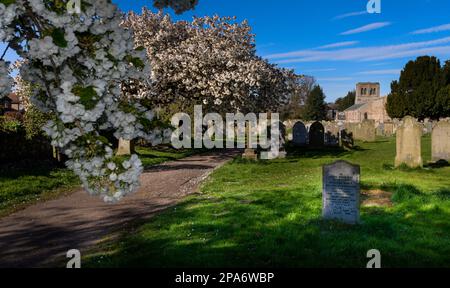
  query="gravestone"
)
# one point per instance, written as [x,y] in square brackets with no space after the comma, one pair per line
[366,131]
[316,135]
[299,134]
[282,148]
[282,129]
[409,146]
[380,130]
[250,153]
[440,141]
[388,129]
[427,126]
[126,147]
[347,140]
[332,134]
[341,192]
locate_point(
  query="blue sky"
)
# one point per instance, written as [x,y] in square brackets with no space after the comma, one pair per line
[316,30]
[337,42]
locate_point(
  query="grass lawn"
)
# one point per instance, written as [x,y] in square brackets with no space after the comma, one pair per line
[268,214]
[25,183]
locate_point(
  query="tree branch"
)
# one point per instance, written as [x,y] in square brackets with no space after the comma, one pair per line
[4,52]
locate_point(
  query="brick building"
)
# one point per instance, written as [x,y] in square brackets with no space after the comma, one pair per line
[368,105]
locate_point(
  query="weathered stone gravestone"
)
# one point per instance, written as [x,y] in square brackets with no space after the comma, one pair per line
[282,148]
[440,141]
[299,134]
[388,129]
[282,129]
[427,126]
[250,154]
[316,135]
[341,192]
[366,131]
[126,147]
[409,145]
[347,140]
[380,130]
[332,134]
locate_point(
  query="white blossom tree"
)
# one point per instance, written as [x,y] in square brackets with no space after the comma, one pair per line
[76,63]
[211,60]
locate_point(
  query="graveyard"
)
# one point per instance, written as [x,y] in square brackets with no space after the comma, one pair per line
[269,214]
[195,134]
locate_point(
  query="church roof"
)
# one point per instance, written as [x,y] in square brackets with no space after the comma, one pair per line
[356,107]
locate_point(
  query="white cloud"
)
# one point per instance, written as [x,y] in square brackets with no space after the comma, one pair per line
[339,44]
[367,28]
[438,46]
[352,14]
[435,29]
[381,72]
[320,70]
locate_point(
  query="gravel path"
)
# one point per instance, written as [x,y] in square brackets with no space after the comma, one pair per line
[43,233]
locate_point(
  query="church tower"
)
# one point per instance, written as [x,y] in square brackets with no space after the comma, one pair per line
[367,92]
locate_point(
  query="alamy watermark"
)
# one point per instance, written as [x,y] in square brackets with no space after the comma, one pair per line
[75,259]
[374,7]
[237,131]
[74,7]
[375,259]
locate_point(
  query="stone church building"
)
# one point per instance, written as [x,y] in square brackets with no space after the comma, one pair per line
[369,105]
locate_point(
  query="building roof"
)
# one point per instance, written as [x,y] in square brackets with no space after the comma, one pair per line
[14,98]
[5,98]
[355,107]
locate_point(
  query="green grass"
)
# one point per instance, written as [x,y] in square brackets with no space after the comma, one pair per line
[160,154]
[268,214]
[27,182]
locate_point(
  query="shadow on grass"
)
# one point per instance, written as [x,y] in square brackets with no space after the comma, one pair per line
[28,167]
[437,165]
[260,230]
[315,153]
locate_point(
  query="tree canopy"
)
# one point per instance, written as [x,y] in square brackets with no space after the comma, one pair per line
[210,61]
[77,60]
[346,102]
[422,90]
[315,107]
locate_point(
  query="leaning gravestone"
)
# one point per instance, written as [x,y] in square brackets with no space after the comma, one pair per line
[300,134]
[316,135]
[409,146]
[441,141]
[341,190]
